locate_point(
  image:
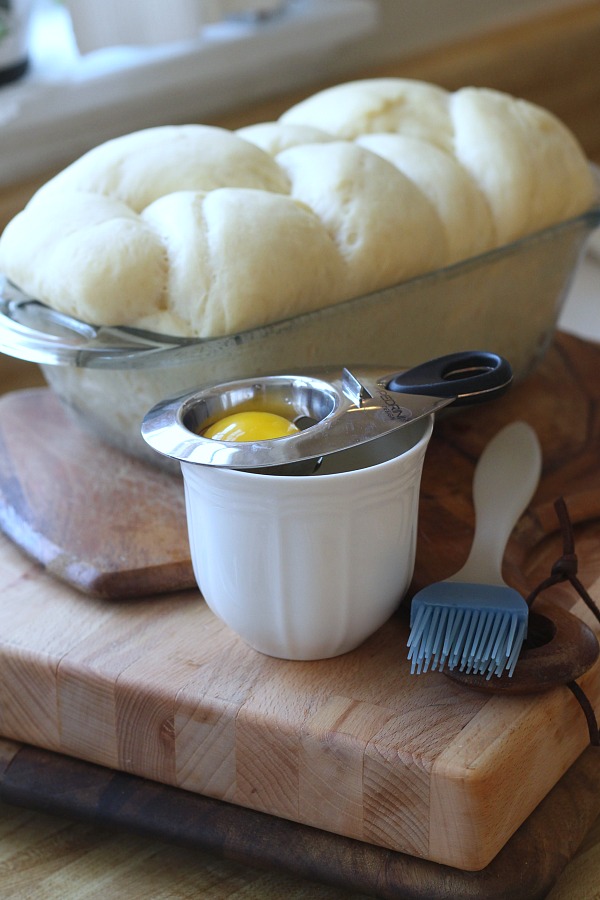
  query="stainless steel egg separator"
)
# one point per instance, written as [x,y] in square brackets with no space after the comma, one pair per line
[343,408]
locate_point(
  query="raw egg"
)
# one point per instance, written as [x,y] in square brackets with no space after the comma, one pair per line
[250,425]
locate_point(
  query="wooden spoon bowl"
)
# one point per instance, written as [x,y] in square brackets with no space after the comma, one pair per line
[559,648]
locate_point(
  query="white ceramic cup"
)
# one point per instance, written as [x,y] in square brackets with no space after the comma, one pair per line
[307,567]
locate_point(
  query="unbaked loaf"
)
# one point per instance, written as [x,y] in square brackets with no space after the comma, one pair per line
[199,231]
[527,165]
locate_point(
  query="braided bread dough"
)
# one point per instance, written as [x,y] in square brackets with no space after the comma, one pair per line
[200,231]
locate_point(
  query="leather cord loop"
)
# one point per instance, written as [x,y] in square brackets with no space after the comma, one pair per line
[565,569]
[588,711]
[570,648]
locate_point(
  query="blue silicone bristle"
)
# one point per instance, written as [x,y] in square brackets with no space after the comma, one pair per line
[475,628]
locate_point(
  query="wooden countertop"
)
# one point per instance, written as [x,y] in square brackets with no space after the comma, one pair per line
[551,60]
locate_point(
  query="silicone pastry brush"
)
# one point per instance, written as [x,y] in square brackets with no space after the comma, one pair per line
[473,621]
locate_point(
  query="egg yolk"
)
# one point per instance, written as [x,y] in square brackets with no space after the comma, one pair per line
[250,426]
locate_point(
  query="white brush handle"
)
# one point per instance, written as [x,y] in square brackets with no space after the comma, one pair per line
[505,480]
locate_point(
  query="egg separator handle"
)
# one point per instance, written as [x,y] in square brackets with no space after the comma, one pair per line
[468,377]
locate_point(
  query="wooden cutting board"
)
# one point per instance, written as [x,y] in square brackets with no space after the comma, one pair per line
[158,687]
[108,524]
[526,868]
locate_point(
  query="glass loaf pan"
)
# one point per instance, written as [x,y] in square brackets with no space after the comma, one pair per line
[506,300]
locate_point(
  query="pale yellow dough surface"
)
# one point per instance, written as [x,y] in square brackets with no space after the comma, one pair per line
[194,230]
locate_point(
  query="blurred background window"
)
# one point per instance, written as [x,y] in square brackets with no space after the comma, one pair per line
[74,73]
[100,68]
